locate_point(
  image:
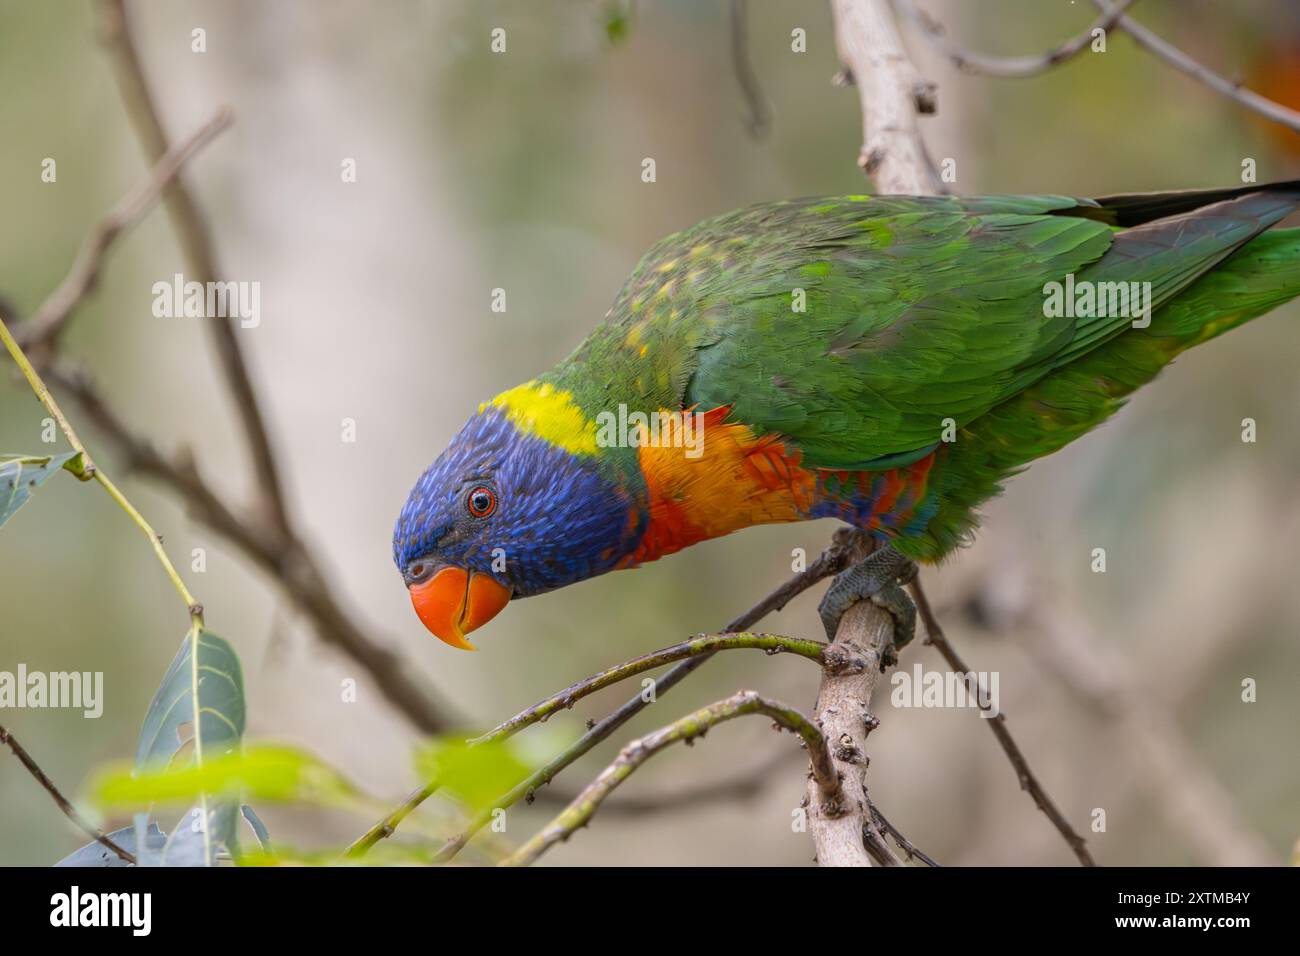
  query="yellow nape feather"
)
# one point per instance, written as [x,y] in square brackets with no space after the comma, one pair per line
[549,413]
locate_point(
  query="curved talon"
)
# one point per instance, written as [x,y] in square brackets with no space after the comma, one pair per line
[877,578]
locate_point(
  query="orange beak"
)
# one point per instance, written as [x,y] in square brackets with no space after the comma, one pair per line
[454,602]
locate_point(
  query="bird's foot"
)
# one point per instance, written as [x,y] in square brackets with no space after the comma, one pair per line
[879,578]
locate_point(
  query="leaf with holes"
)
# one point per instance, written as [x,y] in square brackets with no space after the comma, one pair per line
[20,475]
[197,715]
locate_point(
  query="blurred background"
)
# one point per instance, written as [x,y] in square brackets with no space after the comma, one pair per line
[521,171]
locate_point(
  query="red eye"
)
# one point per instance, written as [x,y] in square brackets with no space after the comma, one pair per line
[481,502]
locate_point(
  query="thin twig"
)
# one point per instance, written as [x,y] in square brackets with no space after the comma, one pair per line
[998,724]
[907,845]
[88,470]
[1192,799]
[201,260]
[831,561]
[1008,66]
[270,541]
[291,568]
[759,120]
[43,328]
[700,644]
[843,714]
[1180,61]
[738,787]
[891,93]
[877,847]
[579,813]
[68,809]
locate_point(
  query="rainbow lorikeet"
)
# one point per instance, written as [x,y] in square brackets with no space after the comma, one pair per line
[886,360]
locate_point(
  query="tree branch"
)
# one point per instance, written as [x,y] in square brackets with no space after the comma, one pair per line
[1156,45]
[68,809]
[1008,66]
[842,713]
[272,544]
[772,644]
[86,470]
[739,787]
[43,328]
[289,565]
[196,244]
[998,724]
[831,561]
[825,780]
[884,826]
[891,92]
[759,120]
[1192,798]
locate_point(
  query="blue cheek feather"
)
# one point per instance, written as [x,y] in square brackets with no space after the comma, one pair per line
[558,519]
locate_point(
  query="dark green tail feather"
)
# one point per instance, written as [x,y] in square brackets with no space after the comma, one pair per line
[1134,209]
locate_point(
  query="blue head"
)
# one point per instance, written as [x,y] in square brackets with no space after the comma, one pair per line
[504,512]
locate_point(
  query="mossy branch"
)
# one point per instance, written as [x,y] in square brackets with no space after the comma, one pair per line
[831,561]
[684,730]
[87,470]
[772,644]
[702,644]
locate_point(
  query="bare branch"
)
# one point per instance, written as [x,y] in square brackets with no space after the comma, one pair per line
[578,814]
[891,92]
[877,847]
[884,826]
[196,244]
[68,809]
[998,724]
[740,787]
[86,470]
[831,561]
[1192,798]
[290,565]
[703,644]
[1180,61]
[1008,66]
[49,320]
[265,537]
[759,120]
[842,713]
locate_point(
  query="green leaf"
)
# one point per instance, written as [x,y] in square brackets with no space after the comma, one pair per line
[257,826]
[618,21]
[20,475]
[197,713]
[387,853]
[263,772]
[204,680]
[188,843]
[476,775]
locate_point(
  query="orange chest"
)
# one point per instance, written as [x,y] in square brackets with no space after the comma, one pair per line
[719,478]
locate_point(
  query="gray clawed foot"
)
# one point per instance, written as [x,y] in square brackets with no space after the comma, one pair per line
[878,578]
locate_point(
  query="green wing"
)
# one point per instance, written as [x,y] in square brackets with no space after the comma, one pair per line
[914,311]
[921,310]
[858,325]
[1081,395]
